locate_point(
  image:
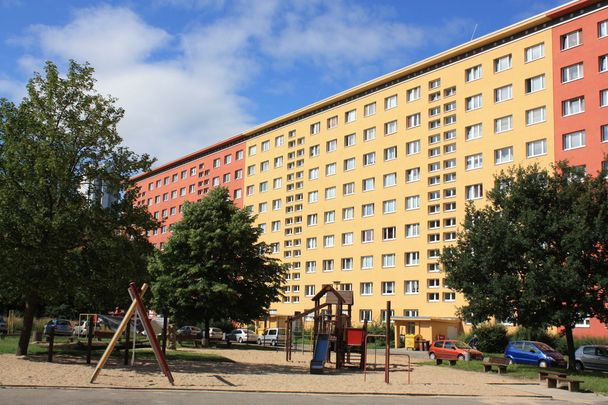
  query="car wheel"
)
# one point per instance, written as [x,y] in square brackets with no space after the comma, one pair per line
[274,342]
[260,341]
[460,357]
[542,364]
[510,361]
[579,366]
[240,340]
[432,356]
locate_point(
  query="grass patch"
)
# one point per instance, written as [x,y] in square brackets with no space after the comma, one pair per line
[592,381]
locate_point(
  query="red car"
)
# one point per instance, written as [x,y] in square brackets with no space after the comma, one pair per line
[453,350]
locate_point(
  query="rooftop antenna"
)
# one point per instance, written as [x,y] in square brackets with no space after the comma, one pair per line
[474,31]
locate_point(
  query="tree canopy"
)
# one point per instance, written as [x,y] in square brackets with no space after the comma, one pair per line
[536,253]
[70,229]
[213,266]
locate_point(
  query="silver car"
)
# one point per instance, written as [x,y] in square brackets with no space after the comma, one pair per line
[591,357]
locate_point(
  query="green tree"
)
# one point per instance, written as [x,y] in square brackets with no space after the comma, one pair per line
[60,156]
[214,267]
[536,254]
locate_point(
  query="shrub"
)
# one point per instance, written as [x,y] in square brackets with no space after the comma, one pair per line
[562,347]
[492,337]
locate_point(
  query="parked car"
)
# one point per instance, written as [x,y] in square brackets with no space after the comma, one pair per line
[242,336]
[591,357]
[216,334]
[82,329]
[190,331]
[453,350]
[273,336]
[536,353]
[63,327]
[3,327]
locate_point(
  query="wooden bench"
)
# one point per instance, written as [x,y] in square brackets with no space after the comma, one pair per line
[573,385]
[543,374]
[189,338]
[439,360]
[501,364]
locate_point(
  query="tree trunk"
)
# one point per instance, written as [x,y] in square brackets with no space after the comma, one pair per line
[570,343]
[205,341]
[31,305]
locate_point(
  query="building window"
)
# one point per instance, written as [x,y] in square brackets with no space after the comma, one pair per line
[413,120]
[536,148]
[412,258]
[412,147]
[369,134]
[503,124]
[604,98]
[389,206]
[451,106]
[367,235]
[309,290]
[366,288]
[473,102]
[369,184]
[412,230]
[603,62]
[311,220]
[350,116]
[411,287]
[365,315]
[472,73]
[329,217]
[347,238]
[433,84]
[503,93]
[388,288]
[332,122]
[536,115]
[389,180]
[331,145]
[328,265]
[367,262]
[535,83]
[412,202]
[572,72]
[347,263]
[348,213]
[315,128]
[279,141]
[502,63]
[412,175]
[535,52]
[390,127]
[604,133]
[449,296]
[474,192]
[388,260]
[390,153]
[450,91]
[369,109]
[349,164]
[390,102]
[449,120]
[389,233]
[503,155]
[432,297]
[413,94]
[367,210]
[313,197]
[474,161]
[573,106]
[348,188]
[602,29]
[369,159]
[252,150]
[571,39]
[574,140]
[473,132]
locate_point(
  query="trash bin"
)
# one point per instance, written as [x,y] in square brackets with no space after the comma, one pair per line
[410,342]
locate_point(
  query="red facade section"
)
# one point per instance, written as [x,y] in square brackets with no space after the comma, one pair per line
[567,63]
[165,191]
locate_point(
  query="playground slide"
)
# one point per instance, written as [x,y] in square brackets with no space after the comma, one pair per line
[318,361]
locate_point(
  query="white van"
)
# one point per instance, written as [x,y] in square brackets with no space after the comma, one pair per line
[273,336]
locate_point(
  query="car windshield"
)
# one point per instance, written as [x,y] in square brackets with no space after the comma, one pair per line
[544,347]
[461,345]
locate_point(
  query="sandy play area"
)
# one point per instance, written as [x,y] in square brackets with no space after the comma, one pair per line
[254,370]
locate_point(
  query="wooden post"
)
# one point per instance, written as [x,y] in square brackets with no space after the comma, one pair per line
[117,334]
[89,338]
[387,346]
[164,335]
[51,344]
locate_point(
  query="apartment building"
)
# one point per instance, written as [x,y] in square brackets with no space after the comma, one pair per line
[364,189]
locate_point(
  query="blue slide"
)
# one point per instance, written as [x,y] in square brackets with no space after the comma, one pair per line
[318,361]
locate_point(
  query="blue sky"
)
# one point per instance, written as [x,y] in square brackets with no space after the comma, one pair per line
[192,72]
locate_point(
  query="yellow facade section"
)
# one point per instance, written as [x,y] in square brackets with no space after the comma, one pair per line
[366,194]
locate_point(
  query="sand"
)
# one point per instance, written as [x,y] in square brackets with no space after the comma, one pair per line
[256,370]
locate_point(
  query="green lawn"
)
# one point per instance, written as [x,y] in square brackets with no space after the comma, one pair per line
[592,381]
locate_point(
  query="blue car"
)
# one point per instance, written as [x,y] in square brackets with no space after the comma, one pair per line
[534,353]
[62,327]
